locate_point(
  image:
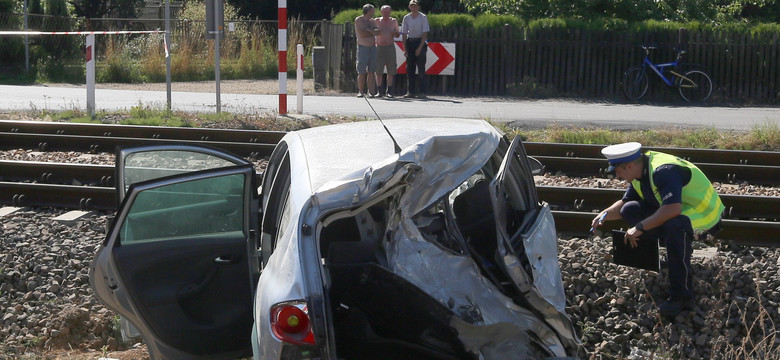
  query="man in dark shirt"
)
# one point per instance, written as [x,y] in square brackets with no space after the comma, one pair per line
[668,198]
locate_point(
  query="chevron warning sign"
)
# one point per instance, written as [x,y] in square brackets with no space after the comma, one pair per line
[440,59]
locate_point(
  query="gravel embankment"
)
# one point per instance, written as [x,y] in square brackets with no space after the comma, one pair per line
[46,303]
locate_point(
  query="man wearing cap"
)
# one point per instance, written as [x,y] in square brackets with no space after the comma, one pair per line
[414,29]
[366,30]
[667,198]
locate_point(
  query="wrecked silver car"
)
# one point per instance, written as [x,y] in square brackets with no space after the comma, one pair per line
[423,241]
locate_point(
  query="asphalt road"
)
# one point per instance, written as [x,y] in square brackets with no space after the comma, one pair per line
[531,113]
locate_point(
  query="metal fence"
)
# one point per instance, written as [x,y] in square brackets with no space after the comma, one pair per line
[555,62]
[499,62]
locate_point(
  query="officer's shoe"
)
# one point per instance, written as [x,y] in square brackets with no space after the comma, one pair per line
[674,306]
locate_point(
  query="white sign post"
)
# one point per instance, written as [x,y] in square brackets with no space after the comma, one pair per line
[90,54]
[299,78]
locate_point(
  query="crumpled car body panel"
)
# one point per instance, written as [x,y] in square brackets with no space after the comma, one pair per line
[489,321]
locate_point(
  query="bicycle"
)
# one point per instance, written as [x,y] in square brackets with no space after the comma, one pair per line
[693,85]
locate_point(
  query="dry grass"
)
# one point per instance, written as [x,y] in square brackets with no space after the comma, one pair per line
[765,137]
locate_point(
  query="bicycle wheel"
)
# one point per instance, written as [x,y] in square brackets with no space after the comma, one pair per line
[695,86]
[635,83]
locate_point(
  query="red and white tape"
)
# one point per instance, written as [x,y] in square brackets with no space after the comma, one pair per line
[81,32]
[282,48]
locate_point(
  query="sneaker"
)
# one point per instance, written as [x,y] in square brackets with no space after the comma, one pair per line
[408,95]
[674,306]
[388,95]
[374,95]
[360,95]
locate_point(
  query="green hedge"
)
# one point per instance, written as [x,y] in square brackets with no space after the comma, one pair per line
[491,21]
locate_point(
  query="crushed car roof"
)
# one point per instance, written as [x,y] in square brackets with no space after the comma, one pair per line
[332,152]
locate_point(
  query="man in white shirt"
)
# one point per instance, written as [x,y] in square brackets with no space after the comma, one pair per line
[414,29]
[365,30]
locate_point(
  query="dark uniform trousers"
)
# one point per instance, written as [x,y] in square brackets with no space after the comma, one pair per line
[677,235]
[415,65]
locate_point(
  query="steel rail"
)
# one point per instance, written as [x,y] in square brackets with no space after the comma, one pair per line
[559,197]
[94,144]
[585,199]
[62,173]
[725,173]
[57,173]
[760,233]
[61,196]
[136,131]
[743,157]
[742,232]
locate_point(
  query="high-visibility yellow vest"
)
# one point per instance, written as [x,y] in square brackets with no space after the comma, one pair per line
[700,202]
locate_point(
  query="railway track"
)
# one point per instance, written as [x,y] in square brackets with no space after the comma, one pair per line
[750,220]
[753,167]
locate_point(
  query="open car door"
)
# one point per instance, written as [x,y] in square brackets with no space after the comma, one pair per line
[528,243]
[175,262]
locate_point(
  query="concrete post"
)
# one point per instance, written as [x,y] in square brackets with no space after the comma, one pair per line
[90,57]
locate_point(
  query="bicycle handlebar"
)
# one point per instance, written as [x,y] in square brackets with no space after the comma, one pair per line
[647,49]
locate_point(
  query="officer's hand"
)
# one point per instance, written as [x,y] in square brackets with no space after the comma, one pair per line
[596,222]
[632,236]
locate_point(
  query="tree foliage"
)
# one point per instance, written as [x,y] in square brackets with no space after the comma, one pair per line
[712,11]
[56,8]
[100,8]
[327,9]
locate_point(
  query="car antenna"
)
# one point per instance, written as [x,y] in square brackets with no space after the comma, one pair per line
[397,148]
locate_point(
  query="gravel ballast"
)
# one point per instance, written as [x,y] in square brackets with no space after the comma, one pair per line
[46,303]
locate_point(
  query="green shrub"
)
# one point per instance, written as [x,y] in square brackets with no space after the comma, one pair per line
[540,24]
[490,21]
[609,24]
[450,20]
[116,65]
[55,70]
[766,31]
[7,6]
[13,50]
[655,25]
[348,16]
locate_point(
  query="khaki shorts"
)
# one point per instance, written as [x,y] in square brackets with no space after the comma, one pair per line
[366,59]
[386,57]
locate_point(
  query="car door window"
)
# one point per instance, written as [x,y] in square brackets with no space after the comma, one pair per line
[276,209]
[139,164]
[206,206]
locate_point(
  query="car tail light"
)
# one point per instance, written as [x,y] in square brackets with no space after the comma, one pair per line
[290,323]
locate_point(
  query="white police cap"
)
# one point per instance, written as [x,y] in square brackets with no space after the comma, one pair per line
[621,153]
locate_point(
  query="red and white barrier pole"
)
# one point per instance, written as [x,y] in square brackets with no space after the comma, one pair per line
[34,33]
[90,54]
[299,78]
[282,56]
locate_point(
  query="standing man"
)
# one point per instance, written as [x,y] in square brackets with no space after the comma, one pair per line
[366,29]
[385,46]
[414,29]
[668,198]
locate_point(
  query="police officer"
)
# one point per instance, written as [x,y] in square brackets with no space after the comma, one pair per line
[667,198]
